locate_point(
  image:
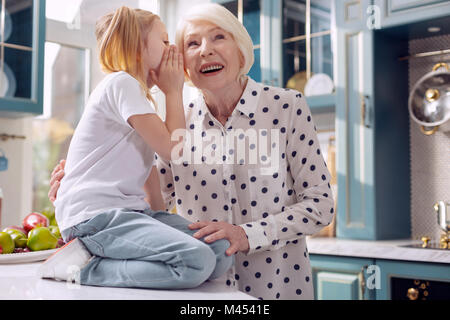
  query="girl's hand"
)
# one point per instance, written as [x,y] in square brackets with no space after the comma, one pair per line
[222,230]
[57,175]
[170,77]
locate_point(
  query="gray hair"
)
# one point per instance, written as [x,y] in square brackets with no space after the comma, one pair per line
[223,18]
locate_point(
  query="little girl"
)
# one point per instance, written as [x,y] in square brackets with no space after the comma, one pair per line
[114,238]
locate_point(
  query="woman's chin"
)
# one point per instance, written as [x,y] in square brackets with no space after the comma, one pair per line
[212,83]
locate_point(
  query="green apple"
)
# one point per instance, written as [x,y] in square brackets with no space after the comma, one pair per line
[41,238]
[20,238]
[50,214]
[6,243]
[55,231]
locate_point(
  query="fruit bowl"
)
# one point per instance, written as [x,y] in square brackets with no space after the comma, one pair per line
[35,240]
[26,257]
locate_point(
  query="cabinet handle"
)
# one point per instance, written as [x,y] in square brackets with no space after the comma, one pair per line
[362,282]
[365,111]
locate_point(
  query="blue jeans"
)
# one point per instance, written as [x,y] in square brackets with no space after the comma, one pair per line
[149,249]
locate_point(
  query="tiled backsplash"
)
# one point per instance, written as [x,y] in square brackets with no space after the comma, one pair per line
[430,155]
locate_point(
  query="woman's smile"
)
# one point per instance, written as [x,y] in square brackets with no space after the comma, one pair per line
[211,69]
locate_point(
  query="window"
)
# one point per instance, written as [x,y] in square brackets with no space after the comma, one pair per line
[69,77]
[66,87]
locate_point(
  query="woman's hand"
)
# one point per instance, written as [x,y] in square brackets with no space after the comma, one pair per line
[57,175]
[222,230]
[170,77]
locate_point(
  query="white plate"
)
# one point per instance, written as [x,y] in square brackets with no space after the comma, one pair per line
[25,257]
[319,84]
[7,82]
[8,26]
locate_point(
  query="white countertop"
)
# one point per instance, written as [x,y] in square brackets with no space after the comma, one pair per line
[19,282]
[386,249]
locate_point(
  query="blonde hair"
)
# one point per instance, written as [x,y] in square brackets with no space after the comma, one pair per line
[223,18]
[120,39]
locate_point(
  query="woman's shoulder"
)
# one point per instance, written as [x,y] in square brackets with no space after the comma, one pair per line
[287,92]
[281,95]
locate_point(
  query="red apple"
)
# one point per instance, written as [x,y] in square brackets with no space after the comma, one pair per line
[34,220]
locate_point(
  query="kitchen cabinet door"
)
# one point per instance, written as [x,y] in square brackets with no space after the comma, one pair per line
[22,57]
[398,12]
[371,122]
[354,125]
[341,278]
[307,47]
[278,31]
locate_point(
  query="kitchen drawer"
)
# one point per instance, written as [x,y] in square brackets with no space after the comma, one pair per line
[341,278]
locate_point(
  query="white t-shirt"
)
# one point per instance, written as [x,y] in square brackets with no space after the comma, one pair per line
[108,162]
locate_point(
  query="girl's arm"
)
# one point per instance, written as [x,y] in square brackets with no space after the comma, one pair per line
[150,127]
[153,191]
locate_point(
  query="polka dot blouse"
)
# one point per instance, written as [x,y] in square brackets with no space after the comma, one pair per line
[264,171]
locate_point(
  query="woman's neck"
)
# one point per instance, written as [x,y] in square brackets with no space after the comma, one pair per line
[223,101]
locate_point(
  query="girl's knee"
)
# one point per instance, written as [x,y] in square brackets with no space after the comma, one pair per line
[220,246]
[201,270]
[223,261]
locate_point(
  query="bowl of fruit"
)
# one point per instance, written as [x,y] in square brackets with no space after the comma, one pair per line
[35,240]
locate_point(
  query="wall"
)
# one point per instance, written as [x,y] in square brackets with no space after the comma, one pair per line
[430,174]
[16,182]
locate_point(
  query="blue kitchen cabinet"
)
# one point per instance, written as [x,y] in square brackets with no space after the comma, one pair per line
[398,12]
[353,278]
[372,130]
[421,274]
[22,61]
[273,35]
[341,278]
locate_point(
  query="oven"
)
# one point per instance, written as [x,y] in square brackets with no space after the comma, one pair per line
[419,289]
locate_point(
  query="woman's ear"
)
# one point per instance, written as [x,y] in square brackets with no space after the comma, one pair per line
[241,59]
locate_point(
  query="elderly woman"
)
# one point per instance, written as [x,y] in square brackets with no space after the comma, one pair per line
[253,172]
